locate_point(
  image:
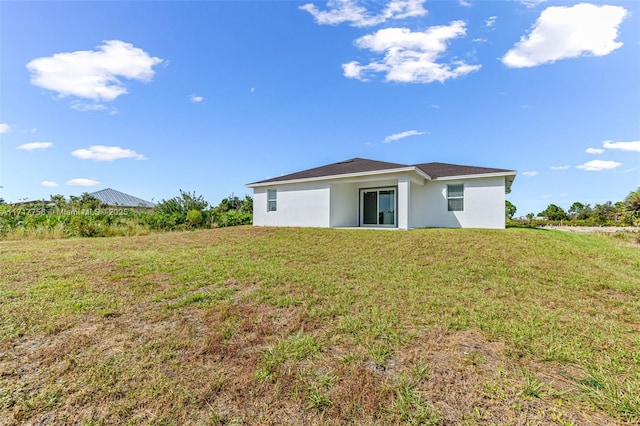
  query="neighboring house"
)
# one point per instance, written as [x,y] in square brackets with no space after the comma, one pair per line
[369,193]
[111,197]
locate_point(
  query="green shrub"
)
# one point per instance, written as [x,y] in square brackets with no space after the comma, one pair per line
[194,217]
[233,218]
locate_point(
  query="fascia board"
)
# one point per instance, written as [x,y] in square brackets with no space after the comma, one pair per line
[476,176]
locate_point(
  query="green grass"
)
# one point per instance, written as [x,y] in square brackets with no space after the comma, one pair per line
[270,326]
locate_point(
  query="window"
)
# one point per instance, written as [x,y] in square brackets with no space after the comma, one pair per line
[272,200]
[455,198]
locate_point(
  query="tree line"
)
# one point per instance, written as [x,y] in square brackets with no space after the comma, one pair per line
[87,216]
[621,213]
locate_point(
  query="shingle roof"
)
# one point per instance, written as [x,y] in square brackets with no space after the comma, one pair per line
[112,197]
[438,170]
[362,165]
[354,165]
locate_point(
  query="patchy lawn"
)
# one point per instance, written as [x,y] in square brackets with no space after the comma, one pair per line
[321,326]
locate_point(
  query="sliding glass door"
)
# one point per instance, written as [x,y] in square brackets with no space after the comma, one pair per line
[378,207]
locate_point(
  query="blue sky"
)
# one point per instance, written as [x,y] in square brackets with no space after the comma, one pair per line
[151,97]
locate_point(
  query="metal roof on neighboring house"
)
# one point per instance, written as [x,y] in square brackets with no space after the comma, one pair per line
[112,197]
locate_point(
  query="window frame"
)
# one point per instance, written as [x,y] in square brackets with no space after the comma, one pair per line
[455,198]
[272,200]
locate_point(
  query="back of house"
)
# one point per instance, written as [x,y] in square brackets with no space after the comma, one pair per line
[369,193]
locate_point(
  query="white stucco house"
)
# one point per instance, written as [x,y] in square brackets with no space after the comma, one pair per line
[368,193]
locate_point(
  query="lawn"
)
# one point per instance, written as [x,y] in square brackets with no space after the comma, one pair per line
[321,326]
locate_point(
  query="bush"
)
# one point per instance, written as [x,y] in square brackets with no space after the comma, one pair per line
[182,204]
[194,218]
[233,218]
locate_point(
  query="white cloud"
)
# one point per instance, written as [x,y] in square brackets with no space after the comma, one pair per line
[531,173]
[594,151]
[48,184]
[196,99]
[465,3]
[402,135]
[491,21]
[410,57]
[353,70]
[82,182]
[532,3]
[35,145]
[623,146]
[93,74]
[83,107]
[106,153]
[599,165]
[341,11]
[4,128]
[566,167]
[568,32]
[402,9]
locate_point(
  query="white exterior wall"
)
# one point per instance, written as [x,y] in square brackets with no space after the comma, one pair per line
[344,205]
[403,202]
[484,200]
[337,204]
[304,204]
